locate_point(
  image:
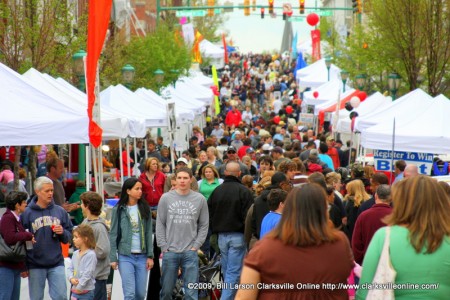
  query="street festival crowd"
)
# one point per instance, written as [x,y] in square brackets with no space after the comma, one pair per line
[279,210]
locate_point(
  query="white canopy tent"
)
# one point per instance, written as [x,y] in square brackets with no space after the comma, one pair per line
[316,74]
[183,115]
[186,101]
[333,100]
[200,78]
[113,126]
[32,117]
[213,52]
[425,131]
[193,88]
[327,92]
[407,106]
[372,104]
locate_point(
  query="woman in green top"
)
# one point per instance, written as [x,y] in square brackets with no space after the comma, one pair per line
[210,180]
[419,241]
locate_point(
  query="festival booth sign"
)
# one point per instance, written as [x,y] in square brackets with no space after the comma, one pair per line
[32,117]
[423,129]
[385,159]
[316,74]
[113,126]
[372,104]
[213,52]
[407,106]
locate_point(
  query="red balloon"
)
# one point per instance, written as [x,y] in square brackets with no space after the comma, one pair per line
[312,19]
[316,94]
[289,109]
[276,119]
[362,96]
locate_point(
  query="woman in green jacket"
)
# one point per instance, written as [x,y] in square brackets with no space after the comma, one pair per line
[131,240]
[419,243]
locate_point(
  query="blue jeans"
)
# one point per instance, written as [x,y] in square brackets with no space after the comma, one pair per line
[56,278]
[133,270]
[88,296]
[100,290]
[232,249]
[10,282]
[188,261]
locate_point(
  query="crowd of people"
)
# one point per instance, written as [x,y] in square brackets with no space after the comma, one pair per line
[289,211]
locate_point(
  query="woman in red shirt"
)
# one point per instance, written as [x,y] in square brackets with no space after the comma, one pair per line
[152,182]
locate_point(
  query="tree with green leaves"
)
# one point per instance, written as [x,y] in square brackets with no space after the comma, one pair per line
[162,49]
[409,37]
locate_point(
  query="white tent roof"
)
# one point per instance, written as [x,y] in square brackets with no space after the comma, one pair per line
[186,101]
[113,127]
[327,92]
[426,131]
[120,99]
[188,87]
[316,74]
[208,49]
[409,106]
[372,104]
[32,117]
[183,115]
[200,78]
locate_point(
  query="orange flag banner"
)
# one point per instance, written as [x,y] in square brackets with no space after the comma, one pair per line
[98,20]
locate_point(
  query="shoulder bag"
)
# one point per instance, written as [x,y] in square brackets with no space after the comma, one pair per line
[384,274]
[12,254]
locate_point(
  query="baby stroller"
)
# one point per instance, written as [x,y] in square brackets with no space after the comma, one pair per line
[210,273]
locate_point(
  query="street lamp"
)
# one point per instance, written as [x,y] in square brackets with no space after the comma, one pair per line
[394,84]
[78,70]
[328,64]
[344,77]
[159,77]
[361,80]
[128,73]
[174,73]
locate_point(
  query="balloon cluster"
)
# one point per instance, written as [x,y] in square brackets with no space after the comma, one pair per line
[356,100]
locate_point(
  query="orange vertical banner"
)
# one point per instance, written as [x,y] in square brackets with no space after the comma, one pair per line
[98,21]
[225,50]
[315,38]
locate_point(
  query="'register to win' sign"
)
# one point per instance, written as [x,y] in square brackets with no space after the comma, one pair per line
[383,160]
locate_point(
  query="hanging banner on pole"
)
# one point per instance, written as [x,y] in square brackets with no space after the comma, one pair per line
[315,38]
[98,20]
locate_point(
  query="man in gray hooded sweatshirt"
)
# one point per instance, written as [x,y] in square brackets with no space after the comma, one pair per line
[181,228]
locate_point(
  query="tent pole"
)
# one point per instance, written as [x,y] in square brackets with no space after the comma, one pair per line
[87,161]
[128,157]
[393,150]
[121,161]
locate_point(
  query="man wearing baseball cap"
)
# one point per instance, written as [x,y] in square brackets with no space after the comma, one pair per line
[232,156]
[181,162]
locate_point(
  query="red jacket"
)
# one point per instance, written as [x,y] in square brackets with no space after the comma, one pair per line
[153,191]
[333,153]
[12,231]
[125,158]
[233,118]
[365,227]
[11,153]
[242,151]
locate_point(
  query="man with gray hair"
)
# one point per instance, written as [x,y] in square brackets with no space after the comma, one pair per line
[50,224]
[370,221]
[228,206]
[410,171]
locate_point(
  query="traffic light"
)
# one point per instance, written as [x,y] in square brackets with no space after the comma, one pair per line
[247,9]
[357,8]
[271,6]
[302,6]
[262,12]
[210,12]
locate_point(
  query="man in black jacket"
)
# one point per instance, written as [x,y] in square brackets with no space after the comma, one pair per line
[228,206]
[261,208]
